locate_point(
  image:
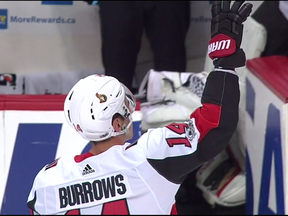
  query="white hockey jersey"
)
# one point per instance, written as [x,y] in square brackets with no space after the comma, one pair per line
[143,177]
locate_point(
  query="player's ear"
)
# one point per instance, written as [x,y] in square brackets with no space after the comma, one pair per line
[117,122]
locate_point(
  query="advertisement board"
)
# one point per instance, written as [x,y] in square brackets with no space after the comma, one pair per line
[266,136]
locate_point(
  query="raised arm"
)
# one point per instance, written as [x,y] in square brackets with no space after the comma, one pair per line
[177,149]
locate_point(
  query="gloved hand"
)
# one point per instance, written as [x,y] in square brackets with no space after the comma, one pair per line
[226,33]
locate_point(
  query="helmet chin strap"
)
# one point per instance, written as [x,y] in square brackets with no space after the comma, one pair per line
[125,129]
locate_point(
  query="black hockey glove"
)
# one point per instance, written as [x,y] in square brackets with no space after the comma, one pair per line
[226,33]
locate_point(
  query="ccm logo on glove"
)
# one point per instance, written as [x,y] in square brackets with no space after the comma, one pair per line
[220,46]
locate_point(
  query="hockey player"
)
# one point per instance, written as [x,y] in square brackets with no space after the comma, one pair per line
[116,177]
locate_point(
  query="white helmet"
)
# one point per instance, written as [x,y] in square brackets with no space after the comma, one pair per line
[91,104]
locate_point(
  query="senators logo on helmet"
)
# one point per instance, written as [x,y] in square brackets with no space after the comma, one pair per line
[101,97]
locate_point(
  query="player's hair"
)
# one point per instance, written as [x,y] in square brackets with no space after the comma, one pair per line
[116,115]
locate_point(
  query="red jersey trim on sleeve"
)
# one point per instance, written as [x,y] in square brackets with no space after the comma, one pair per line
[206,118]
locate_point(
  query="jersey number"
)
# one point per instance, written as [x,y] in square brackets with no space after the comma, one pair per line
[178,129]
[118,207]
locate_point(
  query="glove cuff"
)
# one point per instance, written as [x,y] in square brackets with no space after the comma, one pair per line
[221,45]
[237,59]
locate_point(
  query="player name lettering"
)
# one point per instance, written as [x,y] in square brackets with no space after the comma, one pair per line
[219,45]
[87,192]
